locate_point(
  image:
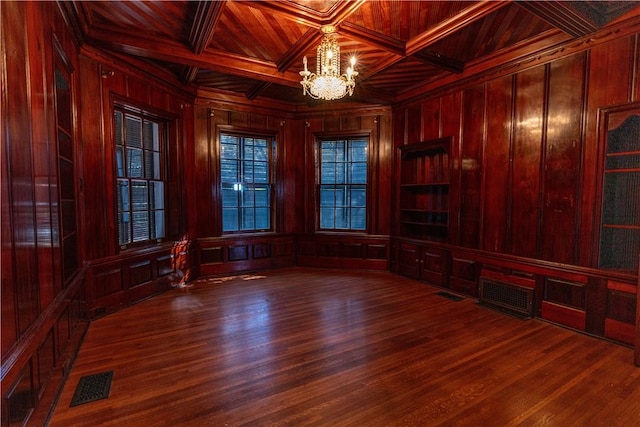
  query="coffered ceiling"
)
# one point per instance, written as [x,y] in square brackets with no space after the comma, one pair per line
[254,49]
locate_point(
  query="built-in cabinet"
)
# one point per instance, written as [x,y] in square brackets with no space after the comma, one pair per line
[424,189]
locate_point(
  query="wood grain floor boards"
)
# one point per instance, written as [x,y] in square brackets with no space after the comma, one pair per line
[322,347]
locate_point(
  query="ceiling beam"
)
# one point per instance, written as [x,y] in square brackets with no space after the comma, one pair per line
[440,61]
[257,90]
[172,51]
[310,39]
[372,38]
[453,24]
[561,15]
[204,24]
[308,16]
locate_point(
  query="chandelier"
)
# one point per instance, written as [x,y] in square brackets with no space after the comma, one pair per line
[326,82]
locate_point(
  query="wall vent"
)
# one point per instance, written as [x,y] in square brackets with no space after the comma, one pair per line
[505,296]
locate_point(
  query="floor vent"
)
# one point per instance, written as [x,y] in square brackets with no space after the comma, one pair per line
[507,297]
[92,387]
[447,295]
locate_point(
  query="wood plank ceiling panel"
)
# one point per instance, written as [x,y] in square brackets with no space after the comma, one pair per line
[254,48]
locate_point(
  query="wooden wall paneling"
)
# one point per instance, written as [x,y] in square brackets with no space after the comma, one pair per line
[239,118]
[636,350]
[414,124]
[332,123]
[471,166]
[384,181]
[201,217]
[566,293]
[497,165]
[563,145]
[137,90]
[635,63]
[164,265]
[528,115]
[565,302]
[44,160]
[620,312]
[607,84]
[312,125]
[18,144]
[138,273]
[595,305]
[399,133]
[451,125]
[464,275]
[21,399]
[409,259]
[567,316]
[451,115]
[431,119]
[98,240]
[8,332]
[353,122]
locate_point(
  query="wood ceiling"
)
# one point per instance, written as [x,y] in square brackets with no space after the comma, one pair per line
[254,49]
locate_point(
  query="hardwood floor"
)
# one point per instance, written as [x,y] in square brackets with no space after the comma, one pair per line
[316,347]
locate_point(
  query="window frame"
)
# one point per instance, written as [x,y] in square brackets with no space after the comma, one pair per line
[342,136]
[164,122]
[272,155]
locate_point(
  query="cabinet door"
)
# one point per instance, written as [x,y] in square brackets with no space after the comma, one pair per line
[433,266]
[409,260]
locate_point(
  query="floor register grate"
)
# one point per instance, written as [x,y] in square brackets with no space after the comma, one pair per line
[92,387]
[447,295]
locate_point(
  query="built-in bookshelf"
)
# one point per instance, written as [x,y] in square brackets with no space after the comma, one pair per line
[424,189]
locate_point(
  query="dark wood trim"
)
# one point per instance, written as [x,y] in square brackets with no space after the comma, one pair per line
[18,356]
[562,16]
[204,24]
[636,352]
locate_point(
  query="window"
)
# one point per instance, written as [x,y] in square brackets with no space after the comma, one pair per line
[343,184]
[140,192]
[245,165]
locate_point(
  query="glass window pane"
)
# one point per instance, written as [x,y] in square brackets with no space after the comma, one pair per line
[140,226]
[247,171]
[133,132]
[229,170]
[358,218]
[328,173]
[327,196]
[120,162]
[261,172]
[229,196]
[151,136]
[158,229]
[117,119]
[327,218]
[262,196]
[122,195]
[139,196]
[229,219]
[124,228]
[156,195]
[248,219]
[260,152]
[358,196]
[342,218]
[134,163]
[247,197]
[262,218]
